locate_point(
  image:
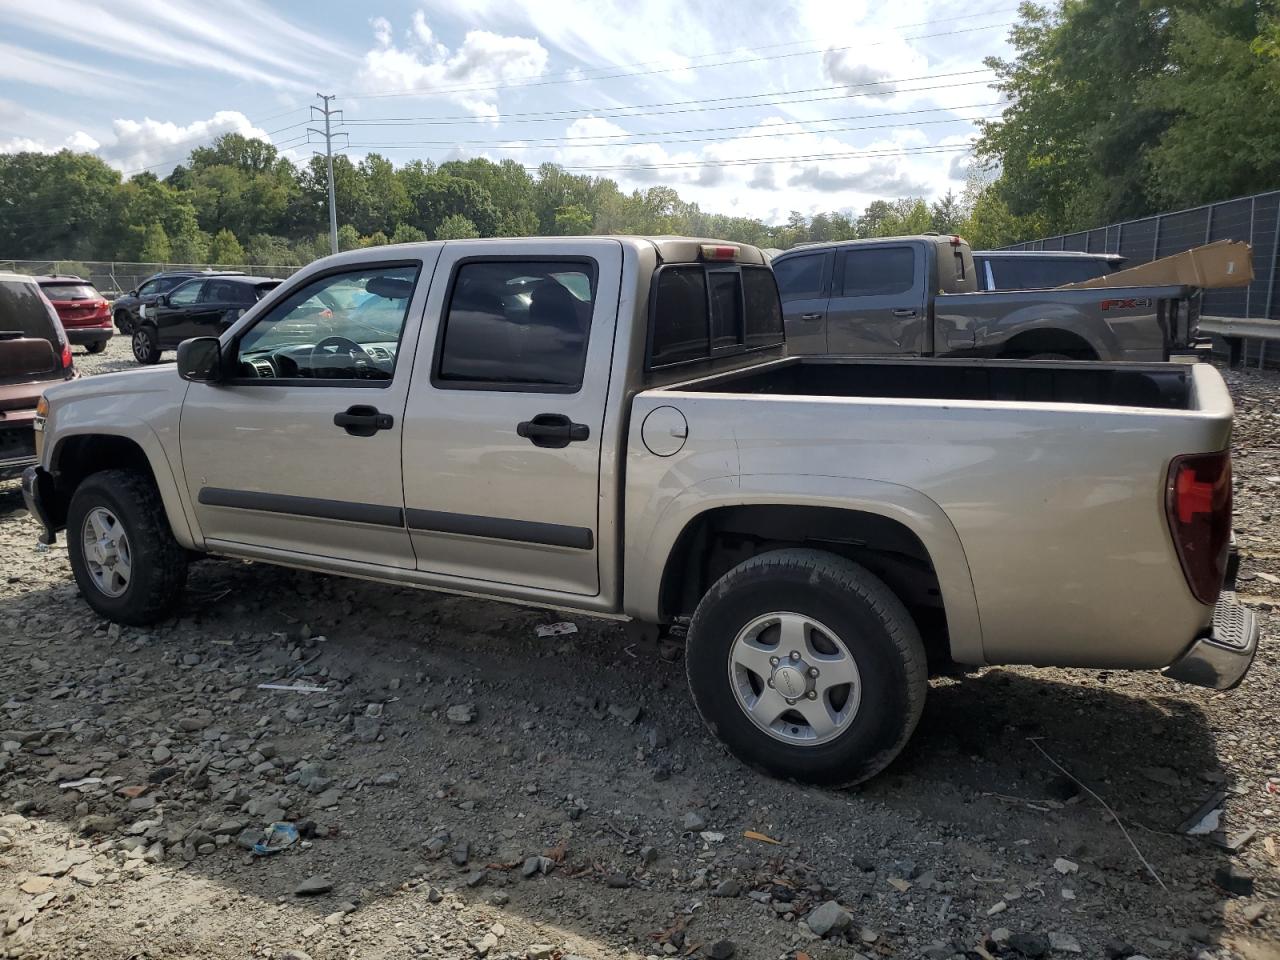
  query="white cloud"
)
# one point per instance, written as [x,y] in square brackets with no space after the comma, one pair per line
[224,38]
[381,31]
[45,70]
[469,75]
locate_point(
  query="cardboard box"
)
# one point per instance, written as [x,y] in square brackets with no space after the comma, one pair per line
[1225,263]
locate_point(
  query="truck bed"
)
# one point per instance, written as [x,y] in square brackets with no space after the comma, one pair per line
[1157,386]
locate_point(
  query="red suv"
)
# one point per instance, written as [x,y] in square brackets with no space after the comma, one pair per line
[84,312]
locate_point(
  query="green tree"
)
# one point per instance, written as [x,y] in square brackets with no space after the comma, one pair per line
[155,245]
[225,250]
[191,247]
[263,248]
[573,220]
[404,233]
[348,237]
[456,227]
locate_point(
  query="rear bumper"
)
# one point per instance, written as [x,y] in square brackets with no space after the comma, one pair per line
[17,449]
[37,490]
[1220,659]
[82,335]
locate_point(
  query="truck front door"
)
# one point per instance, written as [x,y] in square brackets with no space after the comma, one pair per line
[502,433]
[878,305]
[298,453]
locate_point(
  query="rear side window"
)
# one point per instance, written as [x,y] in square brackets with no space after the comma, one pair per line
[1036,273]
[879,272]
[24,312]
[517,325]
[764,309]
[703,311]
[800,278]
[70,291]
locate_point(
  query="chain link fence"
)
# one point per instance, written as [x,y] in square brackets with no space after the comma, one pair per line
[114,278]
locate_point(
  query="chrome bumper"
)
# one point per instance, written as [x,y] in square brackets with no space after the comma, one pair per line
[1220,659]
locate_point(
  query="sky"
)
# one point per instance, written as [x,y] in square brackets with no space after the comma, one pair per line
[747,108]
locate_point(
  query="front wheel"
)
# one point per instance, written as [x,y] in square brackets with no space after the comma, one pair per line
[123,323]
[807,666]
[123,555]
[146,347]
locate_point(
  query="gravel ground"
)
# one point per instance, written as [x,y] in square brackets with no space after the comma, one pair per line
[462,788]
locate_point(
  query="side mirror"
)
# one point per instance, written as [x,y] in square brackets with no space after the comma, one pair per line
[132,293]
[162,300]
[200,360]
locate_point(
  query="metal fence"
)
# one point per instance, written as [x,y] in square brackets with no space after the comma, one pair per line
[114,278]
[1254,219]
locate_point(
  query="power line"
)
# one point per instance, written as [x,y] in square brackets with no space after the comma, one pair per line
[694,106]
[510,84]
[568,143]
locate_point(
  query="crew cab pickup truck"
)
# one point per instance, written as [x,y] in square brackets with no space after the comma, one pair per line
[613,426]
[915,296]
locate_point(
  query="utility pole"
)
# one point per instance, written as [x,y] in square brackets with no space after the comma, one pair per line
[328,113]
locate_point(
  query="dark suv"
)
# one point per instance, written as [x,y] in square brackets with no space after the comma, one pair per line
[34,352]
[201,306]
[125,309]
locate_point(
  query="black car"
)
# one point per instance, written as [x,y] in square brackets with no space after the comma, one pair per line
[125,309]
[202,306]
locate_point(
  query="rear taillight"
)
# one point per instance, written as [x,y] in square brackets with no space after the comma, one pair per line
[66,355]
[1198,503]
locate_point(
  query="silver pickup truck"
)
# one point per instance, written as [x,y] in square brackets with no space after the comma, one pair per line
[612,426]
[915,296]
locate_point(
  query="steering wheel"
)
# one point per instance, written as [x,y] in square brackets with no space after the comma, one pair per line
[357,354]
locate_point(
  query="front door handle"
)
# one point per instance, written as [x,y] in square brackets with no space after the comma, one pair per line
[810,316]
[552,430]
[904,312]
[362,420]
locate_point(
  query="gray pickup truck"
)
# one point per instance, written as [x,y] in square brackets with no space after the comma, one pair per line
[915,296]
[612,426]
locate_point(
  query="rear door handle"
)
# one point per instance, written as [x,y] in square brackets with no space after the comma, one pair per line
[553,430]
[904,312]
[362,420]
[810,316]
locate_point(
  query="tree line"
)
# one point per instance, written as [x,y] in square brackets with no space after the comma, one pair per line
[238,201]
[1125,108]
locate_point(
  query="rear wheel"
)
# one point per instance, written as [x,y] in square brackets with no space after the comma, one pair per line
[807,666]
[125,560]
[96,346]
[146,344]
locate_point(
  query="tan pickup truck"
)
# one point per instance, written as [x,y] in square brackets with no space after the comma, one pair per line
[613,426]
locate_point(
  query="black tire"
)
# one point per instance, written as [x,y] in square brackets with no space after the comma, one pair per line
[97,346]
[158,561]
[146,344]
[124,323]
[867,617]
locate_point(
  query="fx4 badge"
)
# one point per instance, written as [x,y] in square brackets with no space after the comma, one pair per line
[1126,303]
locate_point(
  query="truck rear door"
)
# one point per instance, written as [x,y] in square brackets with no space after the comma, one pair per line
[804,283]
[878,301]
[502,430]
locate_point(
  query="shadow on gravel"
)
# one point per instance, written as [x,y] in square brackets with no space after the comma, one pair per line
[546,733]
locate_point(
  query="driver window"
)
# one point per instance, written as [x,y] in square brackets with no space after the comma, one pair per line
[343,326]
[187,294]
